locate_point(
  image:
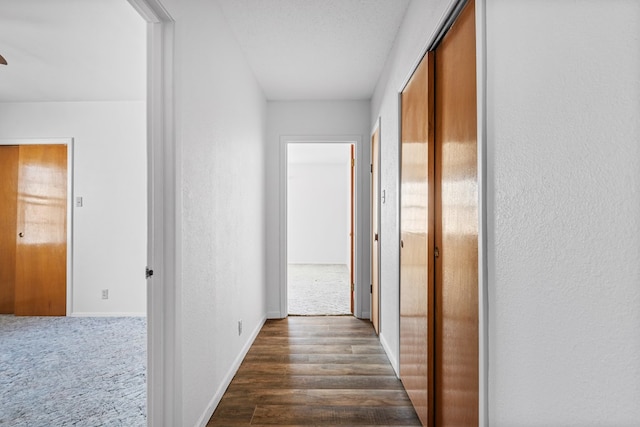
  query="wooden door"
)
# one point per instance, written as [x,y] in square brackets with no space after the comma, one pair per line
[456,344]
[8,211]
[352,217]
[417,239]
[375,231]
[41,249]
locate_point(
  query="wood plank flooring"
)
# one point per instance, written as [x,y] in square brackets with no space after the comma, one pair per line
[321,371]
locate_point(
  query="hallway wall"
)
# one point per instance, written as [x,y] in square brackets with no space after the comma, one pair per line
[563,198]
[220,135]
[110,173]
[309,118]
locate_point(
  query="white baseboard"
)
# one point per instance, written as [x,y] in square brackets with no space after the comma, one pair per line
[213,404]
[390,355]
[106,314]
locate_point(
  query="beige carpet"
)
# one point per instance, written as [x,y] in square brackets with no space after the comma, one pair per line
[318,289]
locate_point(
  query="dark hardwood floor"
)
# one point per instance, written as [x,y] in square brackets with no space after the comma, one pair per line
[319,371]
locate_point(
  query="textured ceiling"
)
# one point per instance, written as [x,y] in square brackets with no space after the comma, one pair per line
[72,50]
[94,50]
[315,49]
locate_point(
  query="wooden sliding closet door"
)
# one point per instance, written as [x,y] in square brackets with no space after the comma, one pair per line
[41,249]
[417,239]
[456,343]
[8,210]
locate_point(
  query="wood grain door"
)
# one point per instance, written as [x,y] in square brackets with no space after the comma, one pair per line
[375,231]
[8,212]
[456,343]
[41,249]
[417,239]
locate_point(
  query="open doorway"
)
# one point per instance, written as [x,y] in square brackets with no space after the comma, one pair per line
[320,228]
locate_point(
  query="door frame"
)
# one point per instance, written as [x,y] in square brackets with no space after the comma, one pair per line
[67,142]
[378,204]
[164,391]
[484,198]
[356,140]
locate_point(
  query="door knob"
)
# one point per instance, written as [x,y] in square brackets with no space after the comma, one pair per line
[21,234]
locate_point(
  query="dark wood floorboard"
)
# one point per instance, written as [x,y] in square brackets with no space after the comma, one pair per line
[315,371]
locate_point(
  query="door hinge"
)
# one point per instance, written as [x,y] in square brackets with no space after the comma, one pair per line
[148,272]
[371,289]
[371,167]
[436,252]
[353,287]
[353,163]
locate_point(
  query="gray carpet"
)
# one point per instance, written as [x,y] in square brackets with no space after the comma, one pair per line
[72,371]
[318,289]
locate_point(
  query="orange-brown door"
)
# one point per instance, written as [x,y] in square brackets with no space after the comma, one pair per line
[375,231]
[417,239]
[456,344]
[8,210]
[41,248]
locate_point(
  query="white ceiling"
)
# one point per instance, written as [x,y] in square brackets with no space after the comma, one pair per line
[316,49]
[72,50]
[95,50]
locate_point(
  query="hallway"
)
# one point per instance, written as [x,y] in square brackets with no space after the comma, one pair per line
[315,371]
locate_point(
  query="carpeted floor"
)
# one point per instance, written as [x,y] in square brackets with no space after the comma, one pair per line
[72,371]
[318,289]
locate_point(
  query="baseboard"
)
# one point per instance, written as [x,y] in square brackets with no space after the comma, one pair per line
[392,358]
[274,315]
[106,314]
[213,404]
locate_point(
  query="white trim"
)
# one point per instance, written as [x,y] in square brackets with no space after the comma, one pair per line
[387,349]
[483,266]
[108,314]
[359,238]
[68,142]
[164,392]
[217,396]
[378,127]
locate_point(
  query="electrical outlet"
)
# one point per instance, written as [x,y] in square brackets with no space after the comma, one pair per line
[105,294]
[239,327]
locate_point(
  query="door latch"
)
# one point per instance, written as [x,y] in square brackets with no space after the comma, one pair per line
[148,272]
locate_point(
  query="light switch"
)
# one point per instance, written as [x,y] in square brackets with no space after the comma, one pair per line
[79,202]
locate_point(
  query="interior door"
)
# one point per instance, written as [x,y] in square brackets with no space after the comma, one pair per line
[456,345]
[417,238]
[41,248]
[8,218]
[375,231]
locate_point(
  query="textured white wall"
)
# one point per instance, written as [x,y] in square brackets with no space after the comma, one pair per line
[319,209]
[110,173]
[416,31]
[564,212]
[221,118]
[313,118]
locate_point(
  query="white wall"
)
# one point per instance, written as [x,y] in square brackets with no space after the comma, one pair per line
[110,167]
[420,23]
[564,212]
[221,118]
[319,205]
[309,118]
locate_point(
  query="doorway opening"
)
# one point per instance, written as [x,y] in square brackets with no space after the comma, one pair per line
[320,212]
